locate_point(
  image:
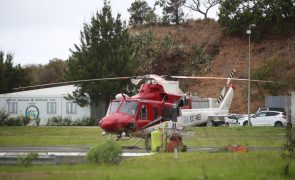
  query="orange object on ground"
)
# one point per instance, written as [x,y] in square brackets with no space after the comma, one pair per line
[236,148]
[175,142]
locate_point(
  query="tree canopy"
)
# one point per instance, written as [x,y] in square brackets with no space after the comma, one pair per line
[172,11]
[269,15]
[12,76]
[104,51]
[54,71]
[141,13]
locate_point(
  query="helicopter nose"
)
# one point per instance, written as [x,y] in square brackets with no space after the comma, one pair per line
[106,125]
[114,125]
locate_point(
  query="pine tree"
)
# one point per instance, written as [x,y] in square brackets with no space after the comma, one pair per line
[141,13]
[172,10]
[105,51]
[11,76]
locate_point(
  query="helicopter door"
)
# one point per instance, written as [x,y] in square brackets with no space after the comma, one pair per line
[143,117]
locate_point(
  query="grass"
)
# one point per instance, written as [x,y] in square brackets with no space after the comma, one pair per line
[192,165]
[91,136]
[195,165]
[49,136]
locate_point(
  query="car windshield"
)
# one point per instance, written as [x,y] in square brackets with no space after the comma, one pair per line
[113,107]
[129,107]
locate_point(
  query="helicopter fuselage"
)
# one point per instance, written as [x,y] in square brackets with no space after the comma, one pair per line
[140,111]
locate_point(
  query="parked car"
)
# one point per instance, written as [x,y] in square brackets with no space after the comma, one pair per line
[265,118]
[243,120]
[232,120]
[270,109]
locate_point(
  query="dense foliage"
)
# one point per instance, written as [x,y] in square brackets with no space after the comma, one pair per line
[167,56]
[28,159]
[59,121]
[11,76]
[54,71]
[270,16]
[277,71]
[104,51]
[172,11]
[5,120]
[141,13]
[107,153]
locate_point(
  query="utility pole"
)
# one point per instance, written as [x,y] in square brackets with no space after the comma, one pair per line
[249,73]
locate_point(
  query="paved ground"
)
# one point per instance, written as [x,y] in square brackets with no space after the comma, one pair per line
[73,155]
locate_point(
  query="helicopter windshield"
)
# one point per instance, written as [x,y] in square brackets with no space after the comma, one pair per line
[113,107]
[129,107]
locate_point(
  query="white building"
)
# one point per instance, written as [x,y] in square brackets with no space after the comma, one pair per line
[43,103]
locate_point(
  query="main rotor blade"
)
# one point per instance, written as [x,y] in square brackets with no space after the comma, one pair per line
[220,78]
[70,82]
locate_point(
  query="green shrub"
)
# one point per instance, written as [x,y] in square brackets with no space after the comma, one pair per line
[5,120]
[28,159]
[107,153]
[13,121]
[3,117]
[58,121]
[84,122]
[36,122]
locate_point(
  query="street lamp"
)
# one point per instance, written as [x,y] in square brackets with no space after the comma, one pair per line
[249,74]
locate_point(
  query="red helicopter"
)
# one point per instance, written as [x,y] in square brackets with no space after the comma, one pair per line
[157,101]
[152,105]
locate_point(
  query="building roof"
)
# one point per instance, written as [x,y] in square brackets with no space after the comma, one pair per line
[44,92]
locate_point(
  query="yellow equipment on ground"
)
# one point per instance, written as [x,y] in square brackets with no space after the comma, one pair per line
[156,140]
[166,139]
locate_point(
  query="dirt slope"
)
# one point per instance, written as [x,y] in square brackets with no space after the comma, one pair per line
[229,53]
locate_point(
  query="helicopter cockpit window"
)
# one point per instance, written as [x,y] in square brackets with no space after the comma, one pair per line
[113,107]
[143,113]
[129,107]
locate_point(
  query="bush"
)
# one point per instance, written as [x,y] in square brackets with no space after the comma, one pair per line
[27,160]
[107,153]
[58,121]
[5,120]
[13,121]
[84,122]
[3,117]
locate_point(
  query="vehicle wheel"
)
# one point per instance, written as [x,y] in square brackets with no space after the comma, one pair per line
[245,123]
[210,124]
[278,124]
[147,142]
[226,124]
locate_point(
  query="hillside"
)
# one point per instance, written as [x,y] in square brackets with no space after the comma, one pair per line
[229,53]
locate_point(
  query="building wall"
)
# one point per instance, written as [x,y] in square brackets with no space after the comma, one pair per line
[39,107]
[277,101]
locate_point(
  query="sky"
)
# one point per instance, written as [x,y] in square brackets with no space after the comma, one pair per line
[37,31]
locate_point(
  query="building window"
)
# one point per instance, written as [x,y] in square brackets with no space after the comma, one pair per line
[12,107]
[51,107]
[71,108]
